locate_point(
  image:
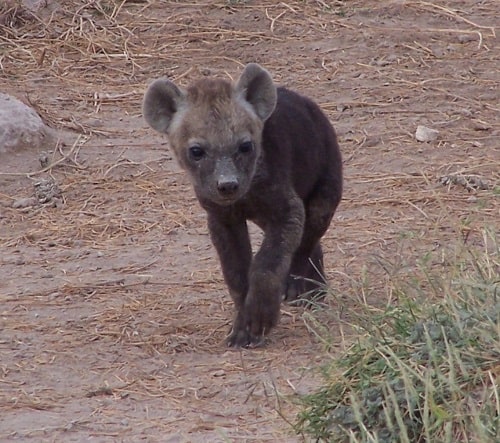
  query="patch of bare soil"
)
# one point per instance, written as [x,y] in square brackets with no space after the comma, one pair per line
[113,310]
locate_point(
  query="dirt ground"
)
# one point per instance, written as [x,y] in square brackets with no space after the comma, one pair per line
[113,311]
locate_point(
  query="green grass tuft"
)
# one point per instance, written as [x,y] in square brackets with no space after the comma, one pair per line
[424,370]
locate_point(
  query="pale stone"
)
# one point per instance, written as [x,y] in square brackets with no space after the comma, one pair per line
[425,134]
[21,127]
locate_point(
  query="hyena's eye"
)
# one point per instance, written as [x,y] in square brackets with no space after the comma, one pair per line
[245,147]
[196,153]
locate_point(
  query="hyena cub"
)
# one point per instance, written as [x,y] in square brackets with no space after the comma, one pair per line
[258,152]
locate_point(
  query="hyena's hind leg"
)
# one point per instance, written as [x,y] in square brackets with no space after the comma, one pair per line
[306,280]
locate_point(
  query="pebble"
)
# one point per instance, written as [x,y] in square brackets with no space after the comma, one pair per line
[44,159]
[24,202]
[465,38]
[479,125]
[53,295]
[425,134]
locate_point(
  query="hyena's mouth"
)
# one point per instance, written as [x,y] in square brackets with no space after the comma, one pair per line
[226,201]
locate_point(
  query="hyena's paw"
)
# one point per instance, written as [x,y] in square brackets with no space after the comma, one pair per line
[252,324]
[240,338]
[306,282]
[294,288]
[301,291]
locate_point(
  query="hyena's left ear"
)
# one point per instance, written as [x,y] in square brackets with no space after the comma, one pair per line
[257,88]
[161,101]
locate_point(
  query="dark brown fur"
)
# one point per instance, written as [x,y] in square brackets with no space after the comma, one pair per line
[289,182]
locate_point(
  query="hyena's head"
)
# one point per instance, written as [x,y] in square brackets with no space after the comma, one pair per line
[214,128]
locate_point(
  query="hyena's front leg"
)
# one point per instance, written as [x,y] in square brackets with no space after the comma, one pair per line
[232,242]
[268,274]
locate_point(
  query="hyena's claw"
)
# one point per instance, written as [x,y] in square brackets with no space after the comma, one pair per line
[243,339]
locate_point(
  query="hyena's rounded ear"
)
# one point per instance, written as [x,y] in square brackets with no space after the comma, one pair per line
[257,88]
[161,101]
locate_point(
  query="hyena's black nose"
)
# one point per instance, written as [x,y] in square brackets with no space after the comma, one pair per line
[227,186]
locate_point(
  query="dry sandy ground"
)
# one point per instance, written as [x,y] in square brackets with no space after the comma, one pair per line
[113,310]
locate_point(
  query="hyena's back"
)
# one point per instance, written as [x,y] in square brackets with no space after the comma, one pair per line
[300,145]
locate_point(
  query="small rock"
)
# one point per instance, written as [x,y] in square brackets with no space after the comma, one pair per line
[383,62]
[425,134]
[35,5]
[465,38]
[25,202]
[21,127]
[52,296]
[96,123]
[372,141]
[44,159]
[46,190]
[480,125]
[469,182]
[438,52]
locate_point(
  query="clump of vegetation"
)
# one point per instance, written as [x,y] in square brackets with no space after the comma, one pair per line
[424,370]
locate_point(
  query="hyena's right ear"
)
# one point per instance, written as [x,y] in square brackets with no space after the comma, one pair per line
[161,101]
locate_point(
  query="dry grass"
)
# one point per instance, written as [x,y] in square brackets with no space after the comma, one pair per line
[424,367]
